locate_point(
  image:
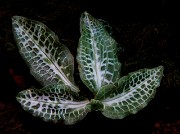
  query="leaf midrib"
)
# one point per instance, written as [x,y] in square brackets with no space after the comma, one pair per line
[69,104]
[122,95]
[96,68]
[64,78]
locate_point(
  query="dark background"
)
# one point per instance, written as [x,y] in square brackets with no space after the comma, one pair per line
[146,35]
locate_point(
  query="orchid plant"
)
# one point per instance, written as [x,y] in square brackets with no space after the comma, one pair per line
[52,64]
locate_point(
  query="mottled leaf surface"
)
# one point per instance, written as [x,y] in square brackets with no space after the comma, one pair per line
[52,64]
[97,54]
[53,103]
[105,92]
[50,61]
[133,93]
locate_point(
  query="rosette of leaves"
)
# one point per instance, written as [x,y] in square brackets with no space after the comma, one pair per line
[52,64]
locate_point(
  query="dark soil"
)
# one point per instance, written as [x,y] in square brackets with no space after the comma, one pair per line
[146,33]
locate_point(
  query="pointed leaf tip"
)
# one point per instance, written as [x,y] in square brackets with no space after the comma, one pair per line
[53,103]
[50,61]
[97,55]
[133,93]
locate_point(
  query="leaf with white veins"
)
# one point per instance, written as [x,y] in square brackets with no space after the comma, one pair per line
[52,64]
[97,54]
[50,61]
[133,93]
[53,103]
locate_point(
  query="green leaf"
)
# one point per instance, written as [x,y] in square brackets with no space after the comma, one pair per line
[52,64]
[105,92]
[133,93]
[97,54]
[50,61]
[53,103]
